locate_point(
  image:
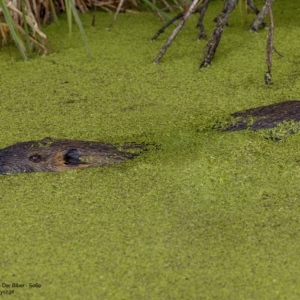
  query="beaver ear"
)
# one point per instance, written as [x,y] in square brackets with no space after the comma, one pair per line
[72,157]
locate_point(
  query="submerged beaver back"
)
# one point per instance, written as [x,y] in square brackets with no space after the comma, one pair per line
[265,117]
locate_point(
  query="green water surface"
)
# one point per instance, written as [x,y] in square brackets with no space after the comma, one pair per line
[207,215]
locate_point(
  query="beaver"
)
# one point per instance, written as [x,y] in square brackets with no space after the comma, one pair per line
[52,155]
[266,117]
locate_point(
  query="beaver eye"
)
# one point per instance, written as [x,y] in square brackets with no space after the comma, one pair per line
[35,158]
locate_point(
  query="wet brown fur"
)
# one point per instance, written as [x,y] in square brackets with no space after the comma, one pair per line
[265,117]
[60,155]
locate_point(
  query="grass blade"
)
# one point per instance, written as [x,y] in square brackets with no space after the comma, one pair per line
[75,13]
[26,28]
[12,30]
[53,11]
[69,17]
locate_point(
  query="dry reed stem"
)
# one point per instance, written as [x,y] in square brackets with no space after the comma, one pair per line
[4,31]
[38,12]
[30,20]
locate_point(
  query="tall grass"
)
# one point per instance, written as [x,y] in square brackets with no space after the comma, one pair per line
[14,33]
[24,18]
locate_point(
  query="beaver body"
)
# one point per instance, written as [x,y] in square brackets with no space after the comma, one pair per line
[266,117]
[60,155]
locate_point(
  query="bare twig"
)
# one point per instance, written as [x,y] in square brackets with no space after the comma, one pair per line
[117,12]
[270,45]
[202,10]
[175,31]
[167,6]
[256,11]
[217,33]
[278,53]
[94,17]
[254,8]
[260,16]
[180,6]
[30,20]
[162,30]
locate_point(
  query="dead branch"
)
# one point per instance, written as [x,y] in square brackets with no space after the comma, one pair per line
[256,11]
[202,10]
[175,31]
[162,30]
[217,33]
[270,45]
[260,16]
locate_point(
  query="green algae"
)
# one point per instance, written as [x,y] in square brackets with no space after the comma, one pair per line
[207,215]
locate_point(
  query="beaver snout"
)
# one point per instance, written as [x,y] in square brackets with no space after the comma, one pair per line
[60,155]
